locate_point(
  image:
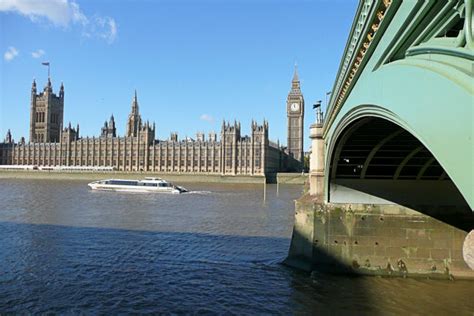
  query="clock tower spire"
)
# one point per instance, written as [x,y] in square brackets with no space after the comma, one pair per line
[295,114]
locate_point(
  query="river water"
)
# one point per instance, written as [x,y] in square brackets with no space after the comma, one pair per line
[66,249]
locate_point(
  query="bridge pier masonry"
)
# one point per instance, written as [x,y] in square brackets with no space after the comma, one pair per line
[375,239]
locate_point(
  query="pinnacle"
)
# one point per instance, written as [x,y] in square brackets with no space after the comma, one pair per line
[295,74]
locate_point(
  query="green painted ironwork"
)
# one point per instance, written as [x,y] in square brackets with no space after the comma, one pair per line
[411,63]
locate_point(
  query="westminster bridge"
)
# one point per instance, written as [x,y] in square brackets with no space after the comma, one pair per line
[391,179]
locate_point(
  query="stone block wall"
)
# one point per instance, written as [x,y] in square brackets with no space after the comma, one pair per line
[379,240]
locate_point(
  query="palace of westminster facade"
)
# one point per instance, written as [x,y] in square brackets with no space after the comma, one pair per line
[50,144]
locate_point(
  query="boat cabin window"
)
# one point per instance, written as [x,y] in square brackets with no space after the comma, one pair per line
[121,182]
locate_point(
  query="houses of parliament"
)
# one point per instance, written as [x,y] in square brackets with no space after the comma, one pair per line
[52,144]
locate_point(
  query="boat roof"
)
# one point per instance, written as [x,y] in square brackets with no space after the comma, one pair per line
[154,178]
[147,179]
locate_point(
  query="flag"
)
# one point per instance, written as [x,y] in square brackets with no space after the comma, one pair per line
[46,63]
[317,104]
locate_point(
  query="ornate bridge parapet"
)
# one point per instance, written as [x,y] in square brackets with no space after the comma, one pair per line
[366,31]
[432,27]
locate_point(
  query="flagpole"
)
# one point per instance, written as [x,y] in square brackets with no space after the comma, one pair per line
[47,63]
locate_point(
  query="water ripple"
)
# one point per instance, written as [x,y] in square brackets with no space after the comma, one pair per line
[68,250]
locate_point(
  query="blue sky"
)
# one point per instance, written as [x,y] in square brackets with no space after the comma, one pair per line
[193,63]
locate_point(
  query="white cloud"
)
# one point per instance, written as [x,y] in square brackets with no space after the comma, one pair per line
[38,53]
[63,13]
[207,118]
[59,12]
[104,27]
[10,54]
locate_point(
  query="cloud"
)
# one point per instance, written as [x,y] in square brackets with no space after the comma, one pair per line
[58,12]
[101,27]
[63,13]
[38,53]
[10,54]
[207,118]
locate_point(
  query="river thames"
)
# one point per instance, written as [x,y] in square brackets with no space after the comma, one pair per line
[217,250]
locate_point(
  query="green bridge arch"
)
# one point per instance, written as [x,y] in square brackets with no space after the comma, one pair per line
[410,63]
[431,106]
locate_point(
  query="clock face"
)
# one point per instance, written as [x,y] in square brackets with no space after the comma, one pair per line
[295,107]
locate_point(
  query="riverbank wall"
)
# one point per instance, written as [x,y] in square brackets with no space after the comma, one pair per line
[90,176]
[384,240]
[284,178]
[291,178]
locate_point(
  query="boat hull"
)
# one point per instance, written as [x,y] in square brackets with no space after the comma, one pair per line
[137,189]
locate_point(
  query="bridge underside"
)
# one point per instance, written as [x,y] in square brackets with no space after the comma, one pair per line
[392,210]
[378,162]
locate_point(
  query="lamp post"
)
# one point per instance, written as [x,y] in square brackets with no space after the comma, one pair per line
[327,95]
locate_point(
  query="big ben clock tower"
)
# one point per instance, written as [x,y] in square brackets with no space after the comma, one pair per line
[295,113]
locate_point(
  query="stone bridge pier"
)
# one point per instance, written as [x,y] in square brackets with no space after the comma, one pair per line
[412,226]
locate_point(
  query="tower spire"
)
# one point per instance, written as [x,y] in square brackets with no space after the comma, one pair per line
[295,74]
[134,120]
[135,103]
[295,82]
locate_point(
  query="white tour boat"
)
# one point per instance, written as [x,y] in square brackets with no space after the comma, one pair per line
[148,185]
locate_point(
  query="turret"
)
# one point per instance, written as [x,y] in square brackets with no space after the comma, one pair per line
[61,91]
[33,112]
[112,121]
[70,134]
[200,137]
[48,87]
[8,137]
[212,137]
[174,137]
[109,130]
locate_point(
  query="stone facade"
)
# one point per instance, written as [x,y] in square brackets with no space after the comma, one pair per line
[138,150]
[389,240]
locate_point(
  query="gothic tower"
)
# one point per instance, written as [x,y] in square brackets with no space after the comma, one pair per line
[295,113]
[46,114]
[230,135]
[109,130]
[134,123]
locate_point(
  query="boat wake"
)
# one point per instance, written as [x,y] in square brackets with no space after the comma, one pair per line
[199,192]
